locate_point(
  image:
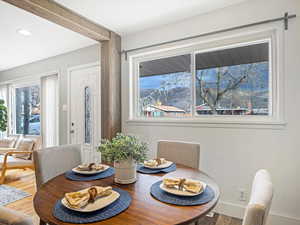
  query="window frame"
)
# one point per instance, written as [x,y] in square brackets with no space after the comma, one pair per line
[273,35]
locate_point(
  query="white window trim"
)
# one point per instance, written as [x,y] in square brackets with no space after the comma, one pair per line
[274,34]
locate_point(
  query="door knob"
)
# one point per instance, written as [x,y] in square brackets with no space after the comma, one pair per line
[72,131]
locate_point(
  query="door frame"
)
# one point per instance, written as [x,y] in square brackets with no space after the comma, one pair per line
[69,71]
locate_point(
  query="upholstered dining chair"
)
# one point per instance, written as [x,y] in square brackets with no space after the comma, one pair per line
[184,153]
[50,162]
[258,208]
[12,217]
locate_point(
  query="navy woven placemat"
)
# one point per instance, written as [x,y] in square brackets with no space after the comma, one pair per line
[69,216]
[80,177]
[166,197]
[140,168]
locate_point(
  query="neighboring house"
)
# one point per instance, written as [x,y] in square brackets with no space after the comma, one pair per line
[162,110]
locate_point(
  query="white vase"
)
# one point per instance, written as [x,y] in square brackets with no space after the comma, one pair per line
[125,171]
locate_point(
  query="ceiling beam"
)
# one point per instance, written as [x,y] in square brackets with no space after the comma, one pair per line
[56,13]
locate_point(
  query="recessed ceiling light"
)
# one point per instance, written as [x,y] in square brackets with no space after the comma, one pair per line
[24,32]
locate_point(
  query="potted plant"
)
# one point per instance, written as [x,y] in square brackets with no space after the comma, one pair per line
[3,116]
[125,151]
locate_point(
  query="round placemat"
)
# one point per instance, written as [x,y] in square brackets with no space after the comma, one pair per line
[142,169]
[69,216]
[166,197]
[81,177]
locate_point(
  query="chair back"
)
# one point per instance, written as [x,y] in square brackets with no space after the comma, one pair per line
[187,154]
[51,162]
[258,208]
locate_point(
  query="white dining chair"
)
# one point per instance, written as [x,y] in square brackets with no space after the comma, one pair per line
[12,217]
[50,162]
[185,153]
[258,208]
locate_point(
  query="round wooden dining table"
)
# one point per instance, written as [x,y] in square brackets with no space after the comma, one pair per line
[143,210]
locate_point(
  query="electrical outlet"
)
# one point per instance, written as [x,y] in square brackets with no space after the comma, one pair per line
[242,195]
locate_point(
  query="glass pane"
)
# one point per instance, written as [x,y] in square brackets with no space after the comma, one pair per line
[233,81]
[28,110]
[87,115]
[165,87]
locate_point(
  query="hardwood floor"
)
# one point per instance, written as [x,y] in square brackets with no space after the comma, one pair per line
[25,180]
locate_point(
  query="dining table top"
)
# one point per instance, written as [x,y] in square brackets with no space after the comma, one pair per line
[143,210]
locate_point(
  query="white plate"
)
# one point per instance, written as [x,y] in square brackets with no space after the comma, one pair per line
[75,170]
[181,193]
[99,203]
[162,166]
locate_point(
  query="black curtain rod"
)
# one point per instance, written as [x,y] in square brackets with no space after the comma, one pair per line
[285,19]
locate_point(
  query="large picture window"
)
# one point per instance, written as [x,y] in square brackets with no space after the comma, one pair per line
[224,81]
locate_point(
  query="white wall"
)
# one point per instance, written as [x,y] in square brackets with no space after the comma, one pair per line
[59,63]
[233,155]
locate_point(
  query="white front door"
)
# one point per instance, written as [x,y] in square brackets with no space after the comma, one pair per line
[85,114]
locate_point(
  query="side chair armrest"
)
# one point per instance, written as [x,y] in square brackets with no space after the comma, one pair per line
[12,153]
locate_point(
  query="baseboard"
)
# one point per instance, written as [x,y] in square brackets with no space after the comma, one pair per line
[237,211]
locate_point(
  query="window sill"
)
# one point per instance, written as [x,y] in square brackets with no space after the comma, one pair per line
[210,123]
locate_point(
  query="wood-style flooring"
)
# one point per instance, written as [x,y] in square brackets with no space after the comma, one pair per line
[25,180]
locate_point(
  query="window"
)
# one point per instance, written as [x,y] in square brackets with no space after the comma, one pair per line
[87,115]
[235,82]
[165,87]
[27,110]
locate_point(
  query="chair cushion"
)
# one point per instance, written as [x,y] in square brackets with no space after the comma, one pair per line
[7,142]
[12,161]
[37,141]
[25,145]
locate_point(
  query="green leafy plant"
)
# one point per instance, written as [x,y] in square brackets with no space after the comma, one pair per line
[123,147]
[3,116]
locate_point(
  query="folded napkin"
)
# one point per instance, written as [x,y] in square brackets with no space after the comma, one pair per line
[183,184]
[90,167]
[155,162]
[81,198]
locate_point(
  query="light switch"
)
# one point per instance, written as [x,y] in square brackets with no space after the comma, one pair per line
[64,108]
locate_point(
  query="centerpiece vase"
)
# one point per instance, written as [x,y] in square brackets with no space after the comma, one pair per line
[125,171]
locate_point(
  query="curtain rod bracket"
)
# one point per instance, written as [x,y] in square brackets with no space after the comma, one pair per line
[286,21]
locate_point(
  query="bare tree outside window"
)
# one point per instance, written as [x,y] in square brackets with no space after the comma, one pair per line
[28,110]
[241,89]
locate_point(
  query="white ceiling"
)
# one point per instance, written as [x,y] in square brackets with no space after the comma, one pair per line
[122,16]
[129,16]
[47,39]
